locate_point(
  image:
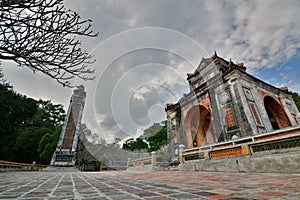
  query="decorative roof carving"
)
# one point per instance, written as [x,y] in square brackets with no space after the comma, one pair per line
[223,65]
[214,56]
[170,106]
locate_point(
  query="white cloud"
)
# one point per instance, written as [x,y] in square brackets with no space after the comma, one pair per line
[140,93]
[259,33]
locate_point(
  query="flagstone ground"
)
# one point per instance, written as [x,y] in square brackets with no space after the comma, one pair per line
[148,185]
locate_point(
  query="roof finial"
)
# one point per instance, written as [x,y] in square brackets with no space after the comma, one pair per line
[215,55]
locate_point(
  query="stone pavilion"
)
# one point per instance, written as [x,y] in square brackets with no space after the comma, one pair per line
[224,103]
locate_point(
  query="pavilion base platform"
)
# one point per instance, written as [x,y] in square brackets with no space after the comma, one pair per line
[284,162]
[274,152]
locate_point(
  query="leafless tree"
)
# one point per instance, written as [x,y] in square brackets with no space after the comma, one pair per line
[41,35]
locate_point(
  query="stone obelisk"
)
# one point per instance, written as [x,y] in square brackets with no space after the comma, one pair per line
[65,153]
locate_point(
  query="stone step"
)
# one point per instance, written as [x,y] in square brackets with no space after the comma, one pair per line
[173,169]
[60,169]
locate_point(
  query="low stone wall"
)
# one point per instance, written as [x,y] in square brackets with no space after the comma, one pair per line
[288,162]
[278,151]
[141,168]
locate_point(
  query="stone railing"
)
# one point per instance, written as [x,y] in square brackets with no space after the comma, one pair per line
[6,166]
[269,142]
[147,163]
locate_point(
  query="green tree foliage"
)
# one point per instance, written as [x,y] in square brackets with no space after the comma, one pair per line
[52,113]
[158,140]
[29,129]
[296,98]
[153,139]
[27,142]
[152,130]
[47,115]
[2,79]
[133,145]
[15,111]
[47,145]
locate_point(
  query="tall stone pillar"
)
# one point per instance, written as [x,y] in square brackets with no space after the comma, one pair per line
[65,153]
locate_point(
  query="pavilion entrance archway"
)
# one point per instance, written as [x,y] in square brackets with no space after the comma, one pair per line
[198,127]
[276,114]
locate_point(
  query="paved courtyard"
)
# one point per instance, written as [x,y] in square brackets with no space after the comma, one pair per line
[148,185]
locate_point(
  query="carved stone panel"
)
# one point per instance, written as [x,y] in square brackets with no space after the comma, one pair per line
[224,98]
[248,94]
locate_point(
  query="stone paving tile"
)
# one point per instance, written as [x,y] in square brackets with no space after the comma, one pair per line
[223,191]
[167,192]
[295,197]
[205,193]
[148,185]
[219,197]
[183,196]
[158,198]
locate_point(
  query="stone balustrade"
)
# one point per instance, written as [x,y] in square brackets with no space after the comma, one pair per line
[277,140]
[15,166]
[147,163]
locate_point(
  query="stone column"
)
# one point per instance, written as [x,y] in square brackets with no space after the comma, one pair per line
[298,118]
[128,162]
[286,109]
[181,148]
[153,159]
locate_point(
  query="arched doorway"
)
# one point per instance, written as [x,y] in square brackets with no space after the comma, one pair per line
[276,114]
[198,127]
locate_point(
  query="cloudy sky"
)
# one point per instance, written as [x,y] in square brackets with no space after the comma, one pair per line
[145,49]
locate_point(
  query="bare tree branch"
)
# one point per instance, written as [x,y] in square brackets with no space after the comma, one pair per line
[41,35]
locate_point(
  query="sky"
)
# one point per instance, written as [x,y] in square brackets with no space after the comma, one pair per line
[146,48]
